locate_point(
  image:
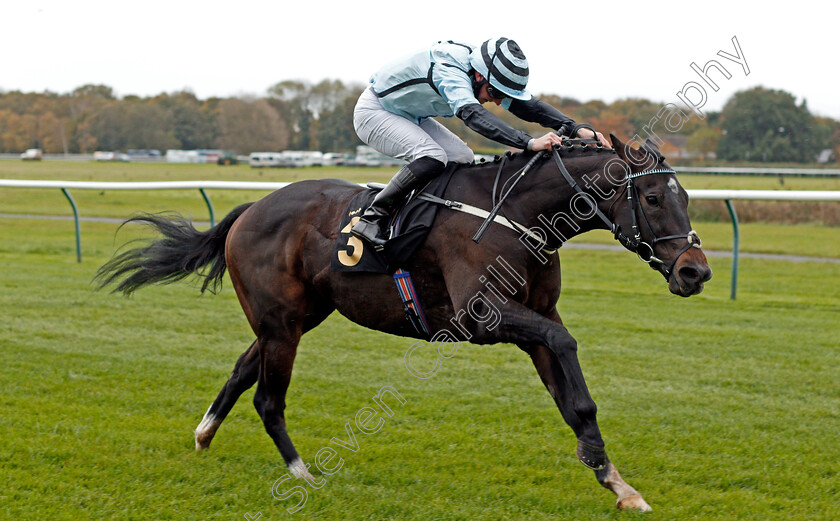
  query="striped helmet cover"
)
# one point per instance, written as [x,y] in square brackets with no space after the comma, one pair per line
[503,63]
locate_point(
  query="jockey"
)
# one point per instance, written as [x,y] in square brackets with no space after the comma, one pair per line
[394,115]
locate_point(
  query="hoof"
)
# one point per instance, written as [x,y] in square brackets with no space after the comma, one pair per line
[300,469]
[593,457]
[200,445]
[204,436]
[202,440]
[633,503]
[205,431]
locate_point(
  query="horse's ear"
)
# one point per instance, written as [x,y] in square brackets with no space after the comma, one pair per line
[628,153]
[654,150]
[622,149]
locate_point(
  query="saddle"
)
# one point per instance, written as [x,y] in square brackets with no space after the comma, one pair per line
[408,228]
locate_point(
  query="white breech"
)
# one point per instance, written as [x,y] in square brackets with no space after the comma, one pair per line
[396,136]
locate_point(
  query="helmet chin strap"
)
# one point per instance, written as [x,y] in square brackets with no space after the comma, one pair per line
[478,84]
[491,65]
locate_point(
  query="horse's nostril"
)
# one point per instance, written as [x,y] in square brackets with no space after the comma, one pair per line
[690,275]
[695,274]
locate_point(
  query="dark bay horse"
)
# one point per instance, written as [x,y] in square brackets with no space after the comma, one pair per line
[278,251]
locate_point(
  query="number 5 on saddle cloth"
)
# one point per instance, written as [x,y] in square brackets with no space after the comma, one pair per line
[408,227]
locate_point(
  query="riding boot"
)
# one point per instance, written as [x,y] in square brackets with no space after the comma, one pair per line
[373,223]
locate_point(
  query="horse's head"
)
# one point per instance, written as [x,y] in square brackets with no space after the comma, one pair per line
[652,215]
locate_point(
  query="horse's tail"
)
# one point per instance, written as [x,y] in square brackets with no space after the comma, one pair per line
[182,251]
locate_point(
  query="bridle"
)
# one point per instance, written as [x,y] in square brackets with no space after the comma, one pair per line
[634,241]
[693,240]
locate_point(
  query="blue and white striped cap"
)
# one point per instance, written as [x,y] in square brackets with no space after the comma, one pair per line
[504,65]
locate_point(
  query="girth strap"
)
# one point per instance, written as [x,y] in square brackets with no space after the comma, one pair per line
[484,214]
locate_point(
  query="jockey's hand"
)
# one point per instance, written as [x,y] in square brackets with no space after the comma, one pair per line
[545,142]
[585,133]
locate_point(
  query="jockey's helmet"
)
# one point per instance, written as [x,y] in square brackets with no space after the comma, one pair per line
[504,65]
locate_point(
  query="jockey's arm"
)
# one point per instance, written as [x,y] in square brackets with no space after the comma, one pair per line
[536,110]
[492,127]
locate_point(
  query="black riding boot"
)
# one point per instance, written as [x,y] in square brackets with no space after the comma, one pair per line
[373,223]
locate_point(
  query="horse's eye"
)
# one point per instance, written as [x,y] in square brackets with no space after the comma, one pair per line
[652,200]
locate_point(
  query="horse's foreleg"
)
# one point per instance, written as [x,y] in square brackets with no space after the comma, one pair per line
[244,375]
[628,498]
[554,380]
[524,327]
[520,325]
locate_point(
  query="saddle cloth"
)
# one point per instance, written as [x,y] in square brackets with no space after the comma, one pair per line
[411,225]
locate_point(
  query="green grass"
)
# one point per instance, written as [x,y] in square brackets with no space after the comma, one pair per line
[805,239]
[751,182]
[116,203]
[800,239]
[712,409]
[104,171]
[120,203]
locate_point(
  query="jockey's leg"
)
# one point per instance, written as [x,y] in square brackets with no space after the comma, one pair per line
[457,151]
[393,135]
[402,138]
[372,224]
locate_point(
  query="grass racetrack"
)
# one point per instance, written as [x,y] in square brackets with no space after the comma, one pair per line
[713,409]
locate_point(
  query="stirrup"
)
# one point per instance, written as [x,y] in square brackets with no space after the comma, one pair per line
[369,232]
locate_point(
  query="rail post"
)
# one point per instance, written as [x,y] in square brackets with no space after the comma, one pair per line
[736,240]
[209,207]
[76,220]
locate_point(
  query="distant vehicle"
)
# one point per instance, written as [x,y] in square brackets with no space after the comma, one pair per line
[336,159]
[301,158]
[227,158]
[183,156]
[105,156]
[151,154]
[208,156]
[268,159]
[33,154]
[367,156]
[193,156]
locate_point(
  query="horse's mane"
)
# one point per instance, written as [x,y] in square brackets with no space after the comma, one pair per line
[571,149]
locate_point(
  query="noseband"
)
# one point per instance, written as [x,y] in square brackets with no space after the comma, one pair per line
[635,243]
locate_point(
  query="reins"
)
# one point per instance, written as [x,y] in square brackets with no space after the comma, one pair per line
[498,206]
[635,243]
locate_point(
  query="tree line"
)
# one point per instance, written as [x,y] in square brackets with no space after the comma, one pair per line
[759,124]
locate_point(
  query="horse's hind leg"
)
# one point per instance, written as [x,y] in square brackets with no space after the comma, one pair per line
[244,375]
[554,379]
[277,357]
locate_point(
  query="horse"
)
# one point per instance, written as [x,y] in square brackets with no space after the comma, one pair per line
[278,251]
